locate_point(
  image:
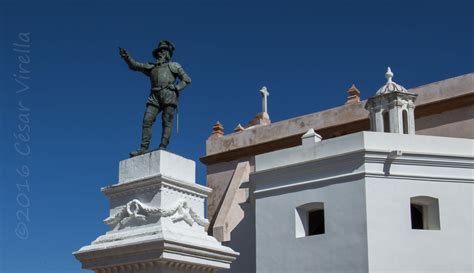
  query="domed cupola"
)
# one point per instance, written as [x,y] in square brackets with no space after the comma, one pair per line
[392,108]
[390,86]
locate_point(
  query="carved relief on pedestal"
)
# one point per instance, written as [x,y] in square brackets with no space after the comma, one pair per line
[135,213]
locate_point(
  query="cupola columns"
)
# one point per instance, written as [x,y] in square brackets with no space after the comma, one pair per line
[392,109]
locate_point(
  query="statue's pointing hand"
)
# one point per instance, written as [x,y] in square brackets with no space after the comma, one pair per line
[123,52]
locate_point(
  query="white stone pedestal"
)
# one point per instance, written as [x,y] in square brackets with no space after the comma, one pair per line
[156,221]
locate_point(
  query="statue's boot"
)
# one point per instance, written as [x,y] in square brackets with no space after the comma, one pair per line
[164,143]
[138,152]
[165,138]
[148,120]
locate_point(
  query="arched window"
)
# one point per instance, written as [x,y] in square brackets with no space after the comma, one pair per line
[424,211]
[309,219]
[405,121]
[386,122]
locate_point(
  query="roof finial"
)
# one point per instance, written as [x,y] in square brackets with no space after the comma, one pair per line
[217,130]
[353,95]
[389,75]
[239,128]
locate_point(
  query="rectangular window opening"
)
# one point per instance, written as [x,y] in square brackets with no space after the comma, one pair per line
[424,212]
[309,220]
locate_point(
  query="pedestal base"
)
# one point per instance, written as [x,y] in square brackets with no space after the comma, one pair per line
[157,221]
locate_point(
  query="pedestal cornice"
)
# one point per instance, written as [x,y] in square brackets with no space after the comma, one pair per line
[145,184]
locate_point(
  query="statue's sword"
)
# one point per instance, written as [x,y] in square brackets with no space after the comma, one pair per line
[177,113]
[177,120]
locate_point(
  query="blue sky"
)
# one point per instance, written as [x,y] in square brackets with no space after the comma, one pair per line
[83,107]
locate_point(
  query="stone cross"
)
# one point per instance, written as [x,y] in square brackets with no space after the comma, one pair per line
[265,94]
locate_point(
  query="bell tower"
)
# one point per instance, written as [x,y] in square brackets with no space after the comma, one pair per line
[392,109]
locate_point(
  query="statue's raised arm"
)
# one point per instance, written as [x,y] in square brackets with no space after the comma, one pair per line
[134,65]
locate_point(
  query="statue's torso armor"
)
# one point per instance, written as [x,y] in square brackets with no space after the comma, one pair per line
[161,76]
[164,89]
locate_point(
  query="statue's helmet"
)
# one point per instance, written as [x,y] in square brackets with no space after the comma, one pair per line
[163,44]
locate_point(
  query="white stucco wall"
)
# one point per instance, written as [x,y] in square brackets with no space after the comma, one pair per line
[366,195]
[243,241]
[343,247]
[395,247]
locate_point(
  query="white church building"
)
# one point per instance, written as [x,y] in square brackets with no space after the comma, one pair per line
[365,202]
[383,185]
[376,194]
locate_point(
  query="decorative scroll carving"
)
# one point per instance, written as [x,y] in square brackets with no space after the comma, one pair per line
[135,213]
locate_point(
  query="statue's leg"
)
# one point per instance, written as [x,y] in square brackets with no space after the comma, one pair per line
[167,124]
[148,119]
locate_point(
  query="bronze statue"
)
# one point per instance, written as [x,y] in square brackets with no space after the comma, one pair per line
[164,94]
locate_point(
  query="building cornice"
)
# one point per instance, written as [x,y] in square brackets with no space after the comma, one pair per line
[361,164]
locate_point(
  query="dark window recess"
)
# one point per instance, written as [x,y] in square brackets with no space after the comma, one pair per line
[315,222]
[417,216]
[386,122]
[405,121]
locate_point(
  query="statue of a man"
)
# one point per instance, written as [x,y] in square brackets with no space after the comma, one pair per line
[167,80]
